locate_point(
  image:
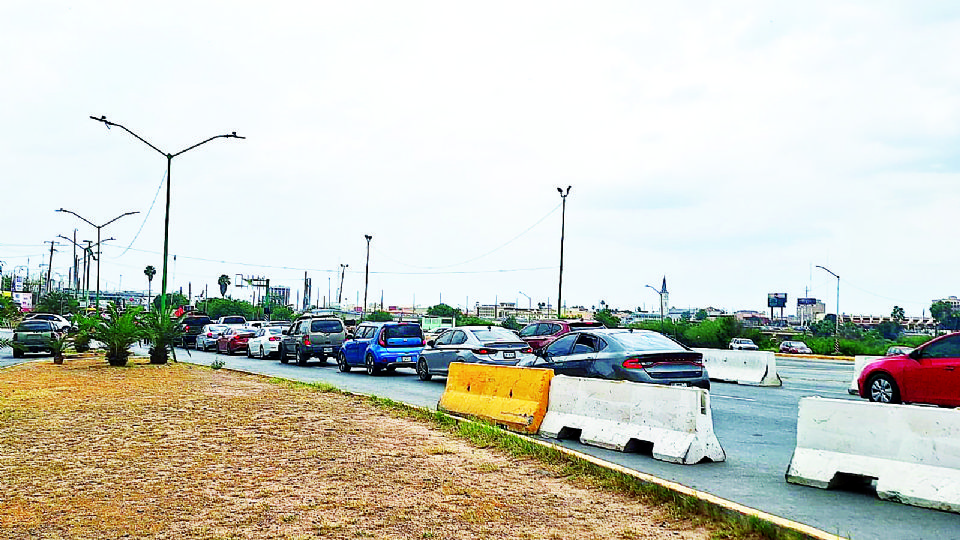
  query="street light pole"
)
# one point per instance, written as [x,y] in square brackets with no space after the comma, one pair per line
[366,279]
[98,227]
[563,223]
[166,217]
[529,301]
[836,332]
[660,294]
[343,271]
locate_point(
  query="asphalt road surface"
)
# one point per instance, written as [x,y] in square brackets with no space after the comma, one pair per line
[756,427]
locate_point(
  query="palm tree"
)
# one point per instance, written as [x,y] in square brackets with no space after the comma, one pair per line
[224,282]
[149,271]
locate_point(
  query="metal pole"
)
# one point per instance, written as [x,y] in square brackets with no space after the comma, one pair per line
[343,271]
[76,278]
[98,270]
[563,223]
[366,279]
[836,338]
[166,242]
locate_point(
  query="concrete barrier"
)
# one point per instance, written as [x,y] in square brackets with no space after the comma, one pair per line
[912,452]
[754,368]
[513,397]
[621,415]
[859,362]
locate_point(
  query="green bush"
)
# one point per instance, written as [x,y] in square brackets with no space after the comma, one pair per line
[118,331]
[161,331]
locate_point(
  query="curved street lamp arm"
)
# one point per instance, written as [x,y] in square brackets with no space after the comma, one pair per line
[78,215]
[231,136]
[116,218]
[109,123]
[655,290]
[828,270]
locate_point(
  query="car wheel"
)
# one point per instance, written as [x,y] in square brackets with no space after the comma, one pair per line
[883,389]
[261,352]
[249,353]
[372,367]
[283,355]
[17,353]
[423,371]
[342,364]
[301,357]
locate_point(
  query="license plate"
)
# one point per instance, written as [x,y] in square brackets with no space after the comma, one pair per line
[510,354]
[407,359]
[678,384]
[328,349]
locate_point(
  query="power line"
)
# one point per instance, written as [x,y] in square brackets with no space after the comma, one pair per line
[144,222]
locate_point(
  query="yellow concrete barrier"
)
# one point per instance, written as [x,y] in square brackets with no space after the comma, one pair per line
[513,397]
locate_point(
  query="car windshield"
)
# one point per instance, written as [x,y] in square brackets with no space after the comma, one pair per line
[234,320]
[646,341]
[34,326]
[215,327]
[402,331]
[496,334]
[274,330]
[586,324]
[327,326]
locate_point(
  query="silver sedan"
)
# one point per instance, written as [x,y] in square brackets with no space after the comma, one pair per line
[207,338]
[472,344]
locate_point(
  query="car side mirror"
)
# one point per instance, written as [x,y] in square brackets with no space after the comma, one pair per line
[285,332]
[915,354]
[431,344]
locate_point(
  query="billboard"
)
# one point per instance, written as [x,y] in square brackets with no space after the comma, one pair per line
[777,300]
[25,299]
[806,301]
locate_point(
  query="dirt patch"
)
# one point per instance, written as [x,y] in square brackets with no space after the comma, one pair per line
[179,451]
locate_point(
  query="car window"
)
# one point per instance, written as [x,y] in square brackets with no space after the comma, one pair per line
[529,330]
[948,347]
[494,334]
[554,328]
[275,330]
[34,326]
[562,346]
[458,338]
[328,326]
[444,338]
[584,344]
[234,320]
[647,341]
[365,332]
[403,331]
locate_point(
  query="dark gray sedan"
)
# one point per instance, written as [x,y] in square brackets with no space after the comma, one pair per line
[472,344]
[618,354]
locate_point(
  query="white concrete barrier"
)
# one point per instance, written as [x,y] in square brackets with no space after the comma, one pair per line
[859,362]
[612,414]
[754,368]
[912,452]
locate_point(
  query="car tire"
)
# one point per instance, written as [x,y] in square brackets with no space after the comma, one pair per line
[342,364]
[302,358]
[883,389]
[17,353]
[261,352]
[283,355]
[249,353]
[423,371]
[371,365]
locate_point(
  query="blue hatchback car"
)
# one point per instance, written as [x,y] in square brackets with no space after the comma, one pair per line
[382,346]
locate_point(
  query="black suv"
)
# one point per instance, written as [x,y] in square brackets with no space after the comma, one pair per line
[190,326]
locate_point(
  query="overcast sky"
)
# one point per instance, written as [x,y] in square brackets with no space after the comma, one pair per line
[729,148]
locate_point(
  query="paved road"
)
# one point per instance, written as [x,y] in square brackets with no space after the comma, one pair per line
[756,426]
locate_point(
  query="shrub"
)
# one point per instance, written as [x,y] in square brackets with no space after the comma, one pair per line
[118,331]
[161,331]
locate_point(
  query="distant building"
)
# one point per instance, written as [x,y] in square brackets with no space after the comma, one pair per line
[280,294]
[808,313]
[952,300]
[664,297]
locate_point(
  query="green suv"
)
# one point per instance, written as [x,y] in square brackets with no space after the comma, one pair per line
[33,336]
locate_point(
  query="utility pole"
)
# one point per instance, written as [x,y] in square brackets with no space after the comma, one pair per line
[563,222]
[343,271]
[46,286]
[366,279]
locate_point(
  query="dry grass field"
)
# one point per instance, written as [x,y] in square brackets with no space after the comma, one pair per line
[179,451]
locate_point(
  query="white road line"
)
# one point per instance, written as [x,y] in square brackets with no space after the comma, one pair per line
[731,397]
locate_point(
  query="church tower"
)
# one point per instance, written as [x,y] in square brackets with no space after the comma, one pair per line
[664,298]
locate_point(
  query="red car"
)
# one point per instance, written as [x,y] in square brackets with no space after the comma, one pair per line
[234,339]
[929,374]
[542,333]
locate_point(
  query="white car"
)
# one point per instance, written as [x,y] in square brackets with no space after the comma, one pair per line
[207,338]
[59,321]
[743,344]
[266,342]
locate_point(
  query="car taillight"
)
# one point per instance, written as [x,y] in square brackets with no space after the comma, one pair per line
[209,334]
[636,363]
[186,328]
[306,340]
[484,351]
[382,340]
[274,338]
[527,350]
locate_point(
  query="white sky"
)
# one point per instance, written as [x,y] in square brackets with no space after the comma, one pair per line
[730,148]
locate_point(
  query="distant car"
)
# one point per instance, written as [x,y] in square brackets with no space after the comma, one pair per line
[743,344]
[34,336]
[432,335]
[232,320]
[899,350]
[313,335]
[191,325]
[59,321]
[208,336]
[474,345]
[541,333]
[795,347]
[232,340]
[265,343]
[928,374]
[632,355]
[382,346]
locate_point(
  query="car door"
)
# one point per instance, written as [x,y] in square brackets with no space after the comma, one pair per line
[455,350]
[580,361]
[935,378]
[438,356]
[359,345]
[555,354]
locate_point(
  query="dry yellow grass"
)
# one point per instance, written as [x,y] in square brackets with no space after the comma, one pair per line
[176,451]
